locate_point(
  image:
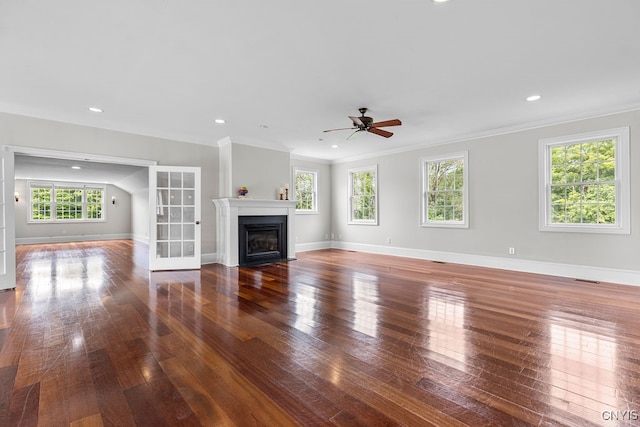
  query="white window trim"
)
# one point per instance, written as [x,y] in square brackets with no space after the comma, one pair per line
[424,222]
[350,172]
[313,211]
[623,193]
[57,184]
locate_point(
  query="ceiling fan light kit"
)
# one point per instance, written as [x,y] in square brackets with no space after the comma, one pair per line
[366,124]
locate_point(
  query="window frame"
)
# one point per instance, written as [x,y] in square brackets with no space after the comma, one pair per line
[57,185]
[621,181]
[424,166]
[350,174]
[314,173]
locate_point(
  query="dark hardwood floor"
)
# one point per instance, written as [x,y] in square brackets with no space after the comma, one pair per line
[91,338]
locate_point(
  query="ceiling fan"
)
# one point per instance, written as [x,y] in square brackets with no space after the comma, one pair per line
[366,124]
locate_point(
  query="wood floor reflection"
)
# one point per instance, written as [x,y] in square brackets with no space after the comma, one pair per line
[89,337]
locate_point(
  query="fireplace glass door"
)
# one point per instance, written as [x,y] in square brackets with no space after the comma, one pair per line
[262,239]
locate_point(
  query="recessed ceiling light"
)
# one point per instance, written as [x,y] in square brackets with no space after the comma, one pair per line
[95,109]
[76,167]
[334,146]
[440,1]
[534,98]
[220,121]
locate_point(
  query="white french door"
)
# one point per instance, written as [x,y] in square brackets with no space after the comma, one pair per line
[7,221]
[174,210]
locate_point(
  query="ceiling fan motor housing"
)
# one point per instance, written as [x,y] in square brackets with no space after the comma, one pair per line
[366,121]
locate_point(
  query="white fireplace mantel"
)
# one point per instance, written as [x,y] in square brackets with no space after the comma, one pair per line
[229,209]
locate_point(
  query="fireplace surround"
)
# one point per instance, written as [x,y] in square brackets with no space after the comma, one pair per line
[228,213]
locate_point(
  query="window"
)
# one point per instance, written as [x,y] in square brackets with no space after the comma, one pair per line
[306,191]
[51,202]
[584,182]
[444,191]
[363,195]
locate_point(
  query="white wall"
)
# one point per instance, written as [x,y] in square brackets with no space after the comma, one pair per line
[263,171]
[30,132]
[313,231]
[503,185]
[139,185]
[140,215]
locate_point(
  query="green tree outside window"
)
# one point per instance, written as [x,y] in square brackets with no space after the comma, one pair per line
[583,186]
[305,190]
[52,203]
[363,195]
[445,190]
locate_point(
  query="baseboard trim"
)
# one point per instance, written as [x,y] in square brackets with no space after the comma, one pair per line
[70,239]
[141,239]
[611,275]
[209,258]
[304,247]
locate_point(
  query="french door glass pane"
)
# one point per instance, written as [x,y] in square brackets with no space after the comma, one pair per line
[176,197]
[189,180]
[189,197]
[162,249]
[188,249]
[163,232]
[176,249]
[175,214]
[162,179]
[176,179]
[188,231]
[176,232]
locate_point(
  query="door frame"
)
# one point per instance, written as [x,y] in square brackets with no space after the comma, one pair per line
[70,155]
[65,155]
[8,277]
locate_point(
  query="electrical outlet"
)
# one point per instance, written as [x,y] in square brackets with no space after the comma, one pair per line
[512,251]
[326,236]
[332,236]
[388,240]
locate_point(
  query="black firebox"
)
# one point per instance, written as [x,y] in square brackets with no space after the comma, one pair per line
[262,239]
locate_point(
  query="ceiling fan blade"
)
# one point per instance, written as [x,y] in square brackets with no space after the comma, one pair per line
[381,132]
[352,135]
[331,130]
[394,122]
[356,121]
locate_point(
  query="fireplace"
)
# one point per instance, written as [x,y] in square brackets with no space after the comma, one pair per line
[262,239]
[229,212]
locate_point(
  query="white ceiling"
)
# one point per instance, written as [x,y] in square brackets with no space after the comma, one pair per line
[127,177]
[449,71]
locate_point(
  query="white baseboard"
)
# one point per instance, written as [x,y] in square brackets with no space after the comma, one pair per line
[209,258]
[69,239]
[625,277]
[303,247]
[140,238]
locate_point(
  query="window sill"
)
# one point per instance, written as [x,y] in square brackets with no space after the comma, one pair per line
[568,228]
[66,221]
[444,225]
[307,212]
